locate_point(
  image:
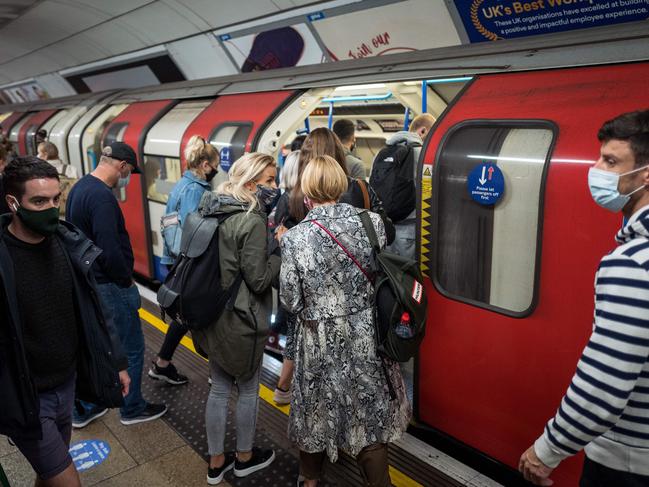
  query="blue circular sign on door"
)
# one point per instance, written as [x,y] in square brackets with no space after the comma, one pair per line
[486,184]
[226,160]
[87,454]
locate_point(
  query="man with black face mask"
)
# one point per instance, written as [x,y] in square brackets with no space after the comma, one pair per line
[54,335]
[92,207]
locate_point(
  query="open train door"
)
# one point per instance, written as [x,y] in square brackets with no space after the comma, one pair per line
[233,123]
[510,240]
[27,135]
[131,127]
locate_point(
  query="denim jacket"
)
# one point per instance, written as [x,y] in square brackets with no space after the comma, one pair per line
[184,199]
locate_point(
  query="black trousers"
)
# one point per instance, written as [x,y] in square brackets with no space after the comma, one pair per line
[175,333]
[597,475]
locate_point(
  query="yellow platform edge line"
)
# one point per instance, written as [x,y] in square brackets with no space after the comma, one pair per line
[398,478]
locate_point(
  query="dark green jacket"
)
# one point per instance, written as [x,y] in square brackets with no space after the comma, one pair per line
[236,341]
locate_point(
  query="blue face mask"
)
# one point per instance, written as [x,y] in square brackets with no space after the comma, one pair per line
[123,182]
[603,188]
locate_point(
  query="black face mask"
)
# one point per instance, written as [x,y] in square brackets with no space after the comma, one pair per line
[210,176]
[43,222]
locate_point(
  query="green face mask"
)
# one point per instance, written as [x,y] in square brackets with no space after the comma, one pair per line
[43,222]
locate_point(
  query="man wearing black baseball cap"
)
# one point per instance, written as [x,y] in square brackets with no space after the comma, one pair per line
[93,208]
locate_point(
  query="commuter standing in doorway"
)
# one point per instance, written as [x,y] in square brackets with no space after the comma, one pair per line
[341,396]
[320,142]
[92,207]
[345,131]
[202,163]
[235,342]
[605,411]
[55,338]
[386,173]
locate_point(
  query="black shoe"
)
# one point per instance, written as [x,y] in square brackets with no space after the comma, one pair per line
[151,412]
[168,374]
[82,418]
[215,475]
[260,459]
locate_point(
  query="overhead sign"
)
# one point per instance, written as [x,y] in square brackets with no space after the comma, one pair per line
[486,184]
[491,20]
[226,160]
[88,454]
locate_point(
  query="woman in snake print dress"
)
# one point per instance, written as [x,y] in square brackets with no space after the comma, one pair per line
[340,392]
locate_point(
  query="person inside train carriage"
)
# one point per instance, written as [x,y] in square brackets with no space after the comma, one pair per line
[605,411]
[291,210]
[345,130]
[395,163]
[297,142]
[93,208]
[234,343]
[341,397]
[55,339]
[202,165]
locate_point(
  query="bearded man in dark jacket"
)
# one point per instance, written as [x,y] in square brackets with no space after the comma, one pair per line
[55,338]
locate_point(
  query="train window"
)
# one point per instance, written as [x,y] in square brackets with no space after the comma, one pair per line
[115,133]
[487,254]
[160,176]
[230,140]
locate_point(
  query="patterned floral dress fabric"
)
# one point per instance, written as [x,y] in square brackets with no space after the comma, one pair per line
[340,394]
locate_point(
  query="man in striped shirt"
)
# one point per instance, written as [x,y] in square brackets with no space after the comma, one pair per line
[606,408]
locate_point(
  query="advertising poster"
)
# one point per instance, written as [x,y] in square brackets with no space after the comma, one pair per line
[31,91]
[491,20]
[284,47]
[389,29]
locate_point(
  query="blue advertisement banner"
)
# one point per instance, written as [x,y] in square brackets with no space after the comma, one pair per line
[492,20]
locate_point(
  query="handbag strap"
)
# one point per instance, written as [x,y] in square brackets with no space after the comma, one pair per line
[326,230]
[366,194]
[370,231]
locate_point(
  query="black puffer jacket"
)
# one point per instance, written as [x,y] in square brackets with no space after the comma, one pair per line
[100,353]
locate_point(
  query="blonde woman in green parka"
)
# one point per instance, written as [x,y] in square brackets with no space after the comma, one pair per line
[235,343]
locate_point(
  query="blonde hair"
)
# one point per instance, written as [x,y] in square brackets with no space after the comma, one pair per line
[49,149]
[248,167]
[197,151]
[288,176]
[423,120]
[323,179]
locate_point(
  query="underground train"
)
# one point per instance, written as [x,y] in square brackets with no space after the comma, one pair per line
[509,282]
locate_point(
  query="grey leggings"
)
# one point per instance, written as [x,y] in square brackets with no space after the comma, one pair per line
[216,410]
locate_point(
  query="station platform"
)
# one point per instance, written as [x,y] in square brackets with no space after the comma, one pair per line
[172,451]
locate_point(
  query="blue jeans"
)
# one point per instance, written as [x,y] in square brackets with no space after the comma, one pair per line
[123,305]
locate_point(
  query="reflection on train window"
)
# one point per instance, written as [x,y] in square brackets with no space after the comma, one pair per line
[487,254]
[115,133]
[160,176]
[230,141]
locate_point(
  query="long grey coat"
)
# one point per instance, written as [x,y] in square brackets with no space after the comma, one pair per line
[236,340]
[340,394]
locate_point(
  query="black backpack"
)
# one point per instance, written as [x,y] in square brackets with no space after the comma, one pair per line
[398,289]
[192,293]
[393,179]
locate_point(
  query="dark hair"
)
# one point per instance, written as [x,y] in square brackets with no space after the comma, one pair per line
[320,142]
[632,127]
[23,169]
[3,152]
[297,142]
[344,129]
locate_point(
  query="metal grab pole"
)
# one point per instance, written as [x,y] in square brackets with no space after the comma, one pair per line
[424,96]
[406,119]
[330,122]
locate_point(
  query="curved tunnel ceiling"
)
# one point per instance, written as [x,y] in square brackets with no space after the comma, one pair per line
[46,36]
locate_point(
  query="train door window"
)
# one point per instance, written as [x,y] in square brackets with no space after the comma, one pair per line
[487,254]
[230,141]
[160,175]
[115,133]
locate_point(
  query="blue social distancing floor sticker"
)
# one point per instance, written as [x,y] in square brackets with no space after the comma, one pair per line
[486,184]
[87,454]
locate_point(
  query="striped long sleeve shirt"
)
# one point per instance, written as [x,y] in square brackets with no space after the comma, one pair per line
[606,408]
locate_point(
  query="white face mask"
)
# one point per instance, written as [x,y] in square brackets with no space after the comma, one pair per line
[604,188]
[123,182]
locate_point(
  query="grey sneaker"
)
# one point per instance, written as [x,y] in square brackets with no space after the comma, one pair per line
[151,412]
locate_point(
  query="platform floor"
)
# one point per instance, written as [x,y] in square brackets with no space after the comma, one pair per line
[172,451]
